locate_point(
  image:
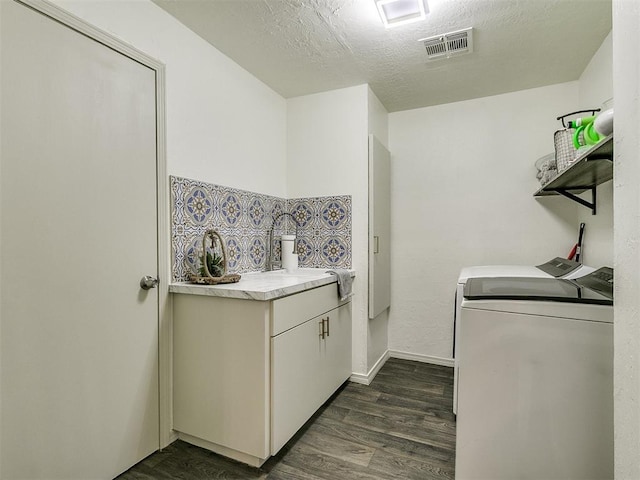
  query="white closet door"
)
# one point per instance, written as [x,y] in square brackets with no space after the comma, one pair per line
[379,227]
[79,337]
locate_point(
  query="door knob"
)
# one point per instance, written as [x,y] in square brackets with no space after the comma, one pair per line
[148,282]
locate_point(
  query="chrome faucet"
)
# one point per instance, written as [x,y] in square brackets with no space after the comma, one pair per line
[271,262]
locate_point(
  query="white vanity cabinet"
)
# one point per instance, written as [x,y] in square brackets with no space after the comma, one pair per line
[248,374]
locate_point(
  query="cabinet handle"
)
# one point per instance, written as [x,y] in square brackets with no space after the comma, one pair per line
[376,244]
[321,325]
[327,332]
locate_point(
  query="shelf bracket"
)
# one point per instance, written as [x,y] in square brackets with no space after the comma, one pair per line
[590,205]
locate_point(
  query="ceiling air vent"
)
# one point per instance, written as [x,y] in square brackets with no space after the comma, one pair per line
[449,44]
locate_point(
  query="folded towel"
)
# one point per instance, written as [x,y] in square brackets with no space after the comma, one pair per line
[547,176]
[345,283]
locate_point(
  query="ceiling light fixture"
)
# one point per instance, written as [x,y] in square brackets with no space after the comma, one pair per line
[400,12]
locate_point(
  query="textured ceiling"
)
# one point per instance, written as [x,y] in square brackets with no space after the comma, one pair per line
[301,47]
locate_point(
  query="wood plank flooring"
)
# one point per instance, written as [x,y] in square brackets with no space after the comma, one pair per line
[399,427]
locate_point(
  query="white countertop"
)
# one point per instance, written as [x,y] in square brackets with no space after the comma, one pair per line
[262,285]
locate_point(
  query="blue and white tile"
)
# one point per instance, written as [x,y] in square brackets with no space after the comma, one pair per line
[334,251]
[257,212]
[334,214]
[233,247]
[244,220]
[306,252]
[304,213]
[256,248]
[231,209]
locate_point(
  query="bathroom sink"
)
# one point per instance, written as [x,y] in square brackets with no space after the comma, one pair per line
[299,275]
[300,272]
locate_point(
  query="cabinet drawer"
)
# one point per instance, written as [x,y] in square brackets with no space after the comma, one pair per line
[296,309]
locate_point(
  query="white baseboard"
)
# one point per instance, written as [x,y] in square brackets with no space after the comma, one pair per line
[172,437]
[445,362]
[368,378]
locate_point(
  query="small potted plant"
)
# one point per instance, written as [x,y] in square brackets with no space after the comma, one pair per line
[213,262]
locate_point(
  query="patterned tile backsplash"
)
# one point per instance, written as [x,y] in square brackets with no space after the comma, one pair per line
[243,219]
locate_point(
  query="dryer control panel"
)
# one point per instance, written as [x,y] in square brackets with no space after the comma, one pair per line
[601,281]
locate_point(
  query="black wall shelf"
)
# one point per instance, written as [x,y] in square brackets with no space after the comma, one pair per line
[592,167]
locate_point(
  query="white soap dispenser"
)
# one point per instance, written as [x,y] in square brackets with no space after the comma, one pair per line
[288,252]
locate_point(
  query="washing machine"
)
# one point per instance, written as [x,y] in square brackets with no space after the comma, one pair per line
[535,391]
[555,268]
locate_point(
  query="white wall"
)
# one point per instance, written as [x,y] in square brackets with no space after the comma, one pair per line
[378,119]
[1,237]
[462,194]
[596,82]
[626,86]
[595,87]
[223,125]
[378,331]
[327,155]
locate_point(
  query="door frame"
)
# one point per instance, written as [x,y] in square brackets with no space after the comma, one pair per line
[165,320]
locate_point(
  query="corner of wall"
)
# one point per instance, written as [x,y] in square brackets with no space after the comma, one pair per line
[626,74]
[378,118]
[595,86]
[596,82]
[327,155]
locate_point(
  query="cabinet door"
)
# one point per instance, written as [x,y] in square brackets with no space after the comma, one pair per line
[337,359]
[296,390]
[221,372]
[379,228]
[306,370]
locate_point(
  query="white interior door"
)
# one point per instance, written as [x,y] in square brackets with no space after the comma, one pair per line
[79,337]
[379,227]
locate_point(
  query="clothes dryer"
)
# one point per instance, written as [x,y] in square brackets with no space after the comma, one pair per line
[554,268]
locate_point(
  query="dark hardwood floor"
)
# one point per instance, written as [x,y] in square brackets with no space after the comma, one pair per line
[399,427]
